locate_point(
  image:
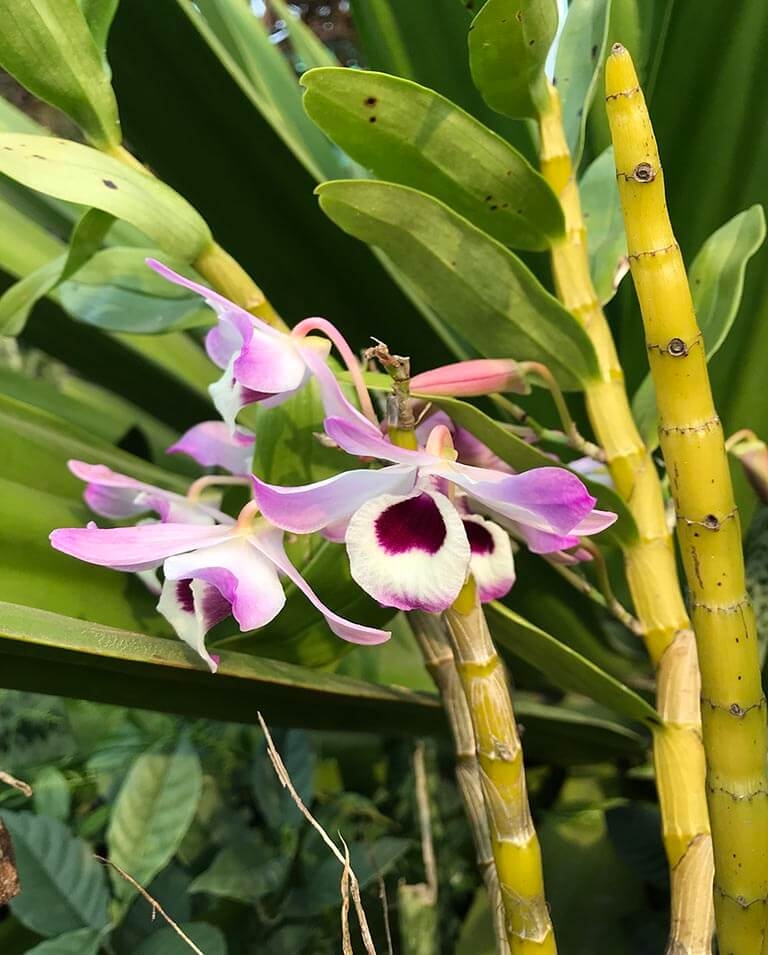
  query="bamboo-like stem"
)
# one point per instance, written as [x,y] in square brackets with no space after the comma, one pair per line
[216,265]
[514,842]
[650,567]
[732,701]
[432,638]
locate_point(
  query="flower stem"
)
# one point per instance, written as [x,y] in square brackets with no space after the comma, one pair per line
[732,701]
[650,567]
[514,842]
[432,638]
[348,356]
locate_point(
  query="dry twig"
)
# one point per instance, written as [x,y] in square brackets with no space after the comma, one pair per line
[156,907]
[19,784]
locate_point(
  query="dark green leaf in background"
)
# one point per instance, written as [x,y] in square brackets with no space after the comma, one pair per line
[83,941]
[508,46]
[606,240]
[477,287]
[409,134]
[152,813]
[47,46]
[64,887]
[208,939]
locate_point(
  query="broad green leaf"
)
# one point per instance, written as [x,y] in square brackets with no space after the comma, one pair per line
[564,667]
[171,890]
[152,813]
[47,46]
[64,887]
[635,831]
[246,870]
[117,291]
[508,45]
[309,49]
[523,456]
[716,277]
[208,939]
[478,287]
[409,134]
[606,239]
[34,731]
[99,15]
[477,936]
[49,651]
[83,941]
[24,245]
[51,793]
[17,302]
[580,53]
[77,173]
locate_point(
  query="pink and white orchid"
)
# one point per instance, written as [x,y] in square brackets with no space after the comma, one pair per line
[263,364]
[408,544]
[213,565]
[213,444]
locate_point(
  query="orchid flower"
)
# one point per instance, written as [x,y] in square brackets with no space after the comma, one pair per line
[213,444]
[262,364]
[213,565]
[409,547]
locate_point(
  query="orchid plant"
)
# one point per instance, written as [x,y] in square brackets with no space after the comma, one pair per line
[284,496]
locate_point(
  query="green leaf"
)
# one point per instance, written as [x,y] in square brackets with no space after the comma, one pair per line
[409,134]
[118,292]
[51,793]
[508,46]
[606,239]
[78,173]
[716,277]
[64,888]
[152,813]
[54,653]
[99,15]
[34,731]
[479,289]
[756,561]
[580,53]
[47,46]
[245,871]
[208,939]
[564,667]
[83,941]
[523,456]
[17,302]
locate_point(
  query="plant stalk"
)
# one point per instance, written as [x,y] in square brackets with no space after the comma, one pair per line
[514,842]
[650,567]
[432,638]
[732,701]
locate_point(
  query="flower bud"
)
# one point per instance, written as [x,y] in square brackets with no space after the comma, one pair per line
[469,379]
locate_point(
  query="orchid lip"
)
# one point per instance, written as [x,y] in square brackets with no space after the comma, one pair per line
[412,524]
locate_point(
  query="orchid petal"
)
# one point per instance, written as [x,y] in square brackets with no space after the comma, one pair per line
[115,495]
[364,439]
[222,306]
[594,522]
[223,342]
[492,564]
[315,506]
[193,607]
[409,552]
[134,548]
[243,576]
[211,444]
[270,543]
[549,499]
[270,365]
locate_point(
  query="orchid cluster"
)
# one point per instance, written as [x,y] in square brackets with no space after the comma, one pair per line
[414,530]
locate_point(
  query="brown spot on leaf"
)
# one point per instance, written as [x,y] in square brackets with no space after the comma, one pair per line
[371,119]
[370,101]
[109,184]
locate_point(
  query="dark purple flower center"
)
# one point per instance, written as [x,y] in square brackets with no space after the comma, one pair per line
[184,595]
[415,524]
[479,537]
